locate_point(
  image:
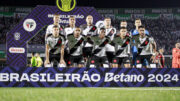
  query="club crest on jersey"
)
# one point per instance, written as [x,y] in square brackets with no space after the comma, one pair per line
[66,5]
[112,31]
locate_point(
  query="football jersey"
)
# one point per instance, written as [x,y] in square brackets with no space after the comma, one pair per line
[102,52]
[134,34]
[49,30]
[122,45]
[55,44]
[89,31]
[67,31]
[147,48]
[110,32]
[72,41]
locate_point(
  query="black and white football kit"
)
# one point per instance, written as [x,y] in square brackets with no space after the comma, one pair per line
[55,44]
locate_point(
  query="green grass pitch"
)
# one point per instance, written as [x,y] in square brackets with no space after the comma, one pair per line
[90,94]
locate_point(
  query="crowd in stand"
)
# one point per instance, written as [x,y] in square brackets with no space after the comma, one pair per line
[6,24]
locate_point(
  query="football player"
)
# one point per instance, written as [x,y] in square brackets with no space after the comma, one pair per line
[134,34]
[99,58]
[88,30]
[123,23]
[55,48]
[110,33]
[144,44]
[68,30]
[75,45]
[122,49]
[49,29]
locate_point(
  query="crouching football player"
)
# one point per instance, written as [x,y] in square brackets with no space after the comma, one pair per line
[55,48]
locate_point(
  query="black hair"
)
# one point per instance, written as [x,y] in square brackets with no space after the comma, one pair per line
[33,53]
[137,19]
[123,21]
[102,28]
[56,14]
[123,28]
[141,27]
[55,26]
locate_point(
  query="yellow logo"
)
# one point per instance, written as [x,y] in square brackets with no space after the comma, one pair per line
[66,5]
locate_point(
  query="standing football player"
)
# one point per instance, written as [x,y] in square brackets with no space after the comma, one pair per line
[55,48]
[88,30]
[122,49]
[123,23]
[69,30]
[110,33]
[75,45]
[144,44]
[49,29]
[134,34]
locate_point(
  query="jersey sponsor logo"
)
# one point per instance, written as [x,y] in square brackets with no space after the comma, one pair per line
[65,5]
[16,50]
[29,25]
[17,36]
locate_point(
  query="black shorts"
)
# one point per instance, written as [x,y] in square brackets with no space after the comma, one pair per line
[54,57]
[87,51]
[99,61]
[66,55]
[144,59]
[121,60]
[110,56]
[75,59]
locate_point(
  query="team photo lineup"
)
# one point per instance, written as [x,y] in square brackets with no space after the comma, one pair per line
[101,45]
[89,50]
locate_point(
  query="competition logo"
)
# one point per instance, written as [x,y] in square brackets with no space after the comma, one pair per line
[66,5]
[29,25]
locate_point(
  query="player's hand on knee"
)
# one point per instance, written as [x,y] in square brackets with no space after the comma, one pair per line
[46,62]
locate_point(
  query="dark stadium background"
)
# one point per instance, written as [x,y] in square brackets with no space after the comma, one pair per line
[160,34]
[99,3]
